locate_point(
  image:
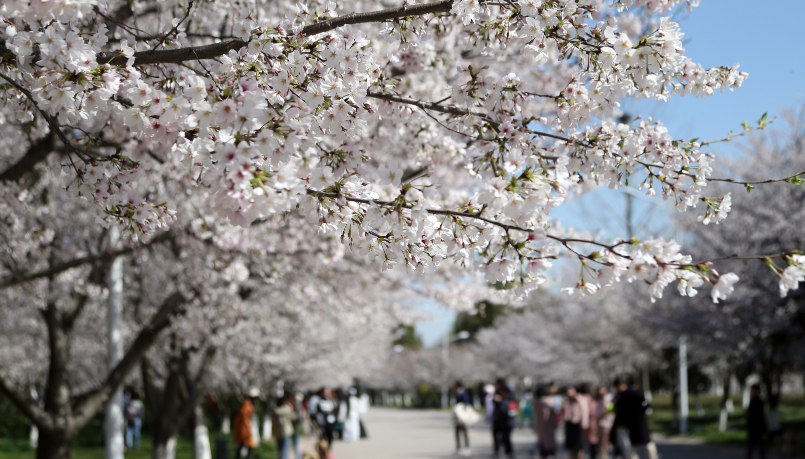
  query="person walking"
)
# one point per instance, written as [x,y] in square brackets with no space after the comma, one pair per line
[282,424]
[577,418]
[545,421]
[630,427]
[489,402]
[601,419]
[463,417]
[526,410]
[755,424]
[323,411]
[134,412]
[503,418]
[352,418]
[242,428]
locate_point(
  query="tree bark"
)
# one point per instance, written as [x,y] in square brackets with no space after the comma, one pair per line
[201,435]
[166,421]
[725,397]
[54,444]
[180,398]
[36,153]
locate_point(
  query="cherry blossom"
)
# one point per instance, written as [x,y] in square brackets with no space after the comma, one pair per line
[419,135]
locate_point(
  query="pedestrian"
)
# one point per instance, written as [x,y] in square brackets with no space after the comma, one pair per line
[323,411]
[503,418]
[282,424]
[463,417]
[755,424]
[489,402]
[242,428]
[526,410]
[352,417]
[630,427]
[134,413]
[363,408]
[601,418]
[545,421]
[577,418]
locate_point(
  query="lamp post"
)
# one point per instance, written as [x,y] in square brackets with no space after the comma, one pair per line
[446,359]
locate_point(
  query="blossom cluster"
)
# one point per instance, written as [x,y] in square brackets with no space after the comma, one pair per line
[428,137]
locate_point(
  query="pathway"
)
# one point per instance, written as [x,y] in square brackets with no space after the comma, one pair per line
[428,434]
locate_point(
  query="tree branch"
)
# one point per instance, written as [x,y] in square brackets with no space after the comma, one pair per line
[105,256]
[443,6]
[175,56]
[36,153]
[36,414]
[87,409]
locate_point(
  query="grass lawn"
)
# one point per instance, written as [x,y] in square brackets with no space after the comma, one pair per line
[19,449]
[792,416]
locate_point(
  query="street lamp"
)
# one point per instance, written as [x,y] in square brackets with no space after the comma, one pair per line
[446,359]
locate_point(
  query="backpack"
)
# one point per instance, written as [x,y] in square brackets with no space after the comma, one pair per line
[132,412]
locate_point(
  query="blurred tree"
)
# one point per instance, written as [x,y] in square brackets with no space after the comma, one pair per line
[482,316]
[406,336]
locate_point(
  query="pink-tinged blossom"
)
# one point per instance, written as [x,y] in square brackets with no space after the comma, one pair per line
[723,287]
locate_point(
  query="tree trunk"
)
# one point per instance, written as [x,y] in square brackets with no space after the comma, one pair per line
[255,428]
[113,412]
[201,436]
[165,449]
[54,445]
[772,380]
[725,398]
[58,421]
[267,431]
[166,422]
[675,408]
[33,437]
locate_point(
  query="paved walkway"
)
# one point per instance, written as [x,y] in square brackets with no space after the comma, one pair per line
[428,434]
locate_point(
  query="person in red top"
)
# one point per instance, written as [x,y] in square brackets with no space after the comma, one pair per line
[242,429]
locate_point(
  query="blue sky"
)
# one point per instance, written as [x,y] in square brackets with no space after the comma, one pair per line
[766,38]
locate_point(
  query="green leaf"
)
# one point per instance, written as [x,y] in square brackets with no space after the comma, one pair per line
[749,188]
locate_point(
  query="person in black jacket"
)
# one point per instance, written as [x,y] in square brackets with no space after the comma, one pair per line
[503,416]
[630,428]
[755,424]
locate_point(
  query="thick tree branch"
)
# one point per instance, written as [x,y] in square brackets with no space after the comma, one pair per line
[87,409]
[195,387]
[36,153]
[105,256]
[29,407]
[443,6]
[176,56]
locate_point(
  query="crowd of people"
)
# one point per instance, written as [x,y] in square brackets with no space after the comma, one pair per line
[325,414]
[599,422]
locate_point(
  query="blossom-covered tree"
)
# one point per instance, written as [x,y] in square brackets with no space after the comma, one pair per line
[417,133]
[52,266]
[761,325]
